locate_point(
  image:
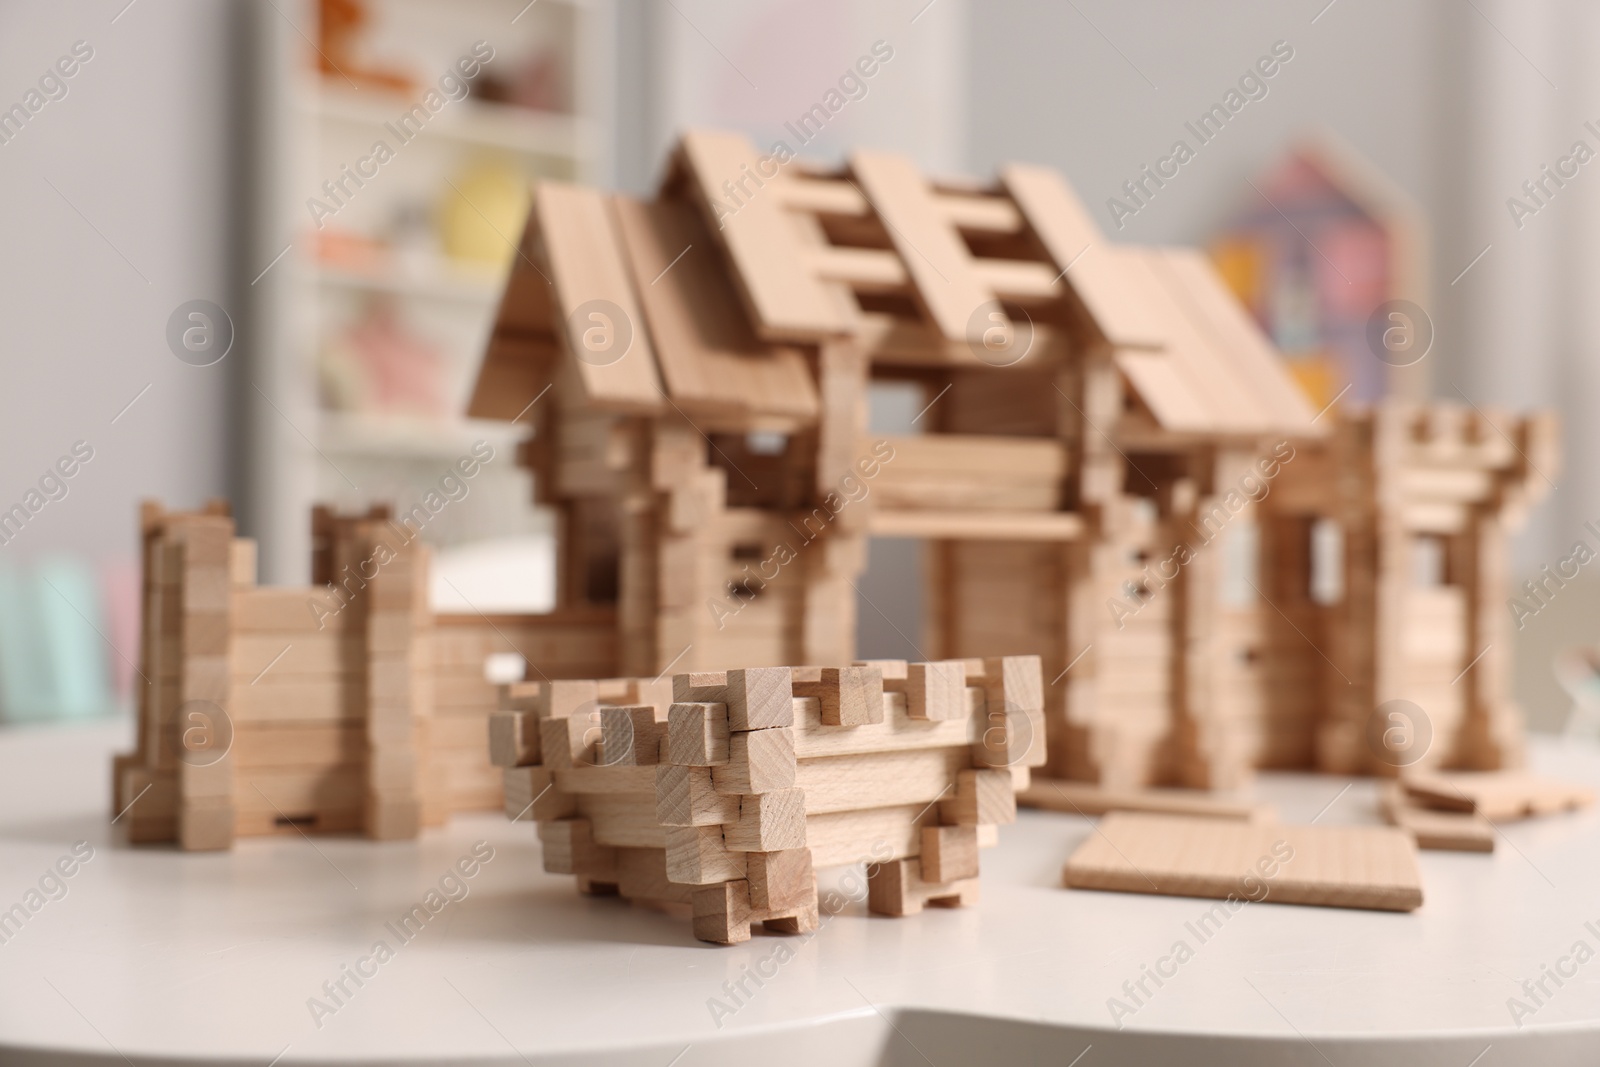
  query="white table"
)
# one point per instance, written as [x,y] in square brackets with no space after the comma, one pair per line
[157,956]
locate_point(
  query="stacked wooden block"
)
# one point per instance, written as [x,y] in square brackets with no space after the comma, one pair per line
[723,794]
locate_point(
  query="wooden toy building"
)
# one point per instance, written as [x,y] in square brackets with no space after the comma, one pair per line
[722,792]
[346,705]
[1115,473]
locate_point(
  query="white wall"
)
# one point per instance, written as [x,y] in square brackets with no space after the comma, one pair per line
[116,201]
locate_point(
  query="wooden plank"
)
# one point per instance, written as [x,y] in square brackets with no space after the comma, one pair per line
[708,352]
[978,526]
[1084,798]
[1450,831]
[785,299]
[1496,795]
[1096,274]
[940,265]
[587,265]
[1336,866]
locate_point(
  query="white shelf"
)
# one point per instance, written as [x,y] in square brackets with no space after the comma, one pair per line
[467,121]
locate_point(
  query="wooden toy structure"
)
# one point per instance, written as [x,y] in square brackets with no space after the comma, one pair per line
[723,792]
[1115,471]
[343,706]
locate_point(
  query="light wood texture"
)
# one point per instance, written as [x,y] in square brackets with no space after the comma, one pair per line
[1336,866]
[1496,795]
[1083,798]
[1451,831]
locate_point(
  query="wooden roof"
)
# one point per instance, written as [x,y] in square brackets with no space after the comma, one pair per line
[742,257]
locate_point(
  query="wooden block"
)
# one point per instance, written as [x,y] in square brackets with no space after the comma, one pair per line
[759,761]
[531,794]
[568,742]
[760,698]
[981,797]
[513,739]
[569,848]
[1014,681]
[935,692]
[781,880]
[697,734]
[628,736]
[892,670]
[696,855]
[1451,831]
[205,827]
[1496,795]
[561,698]
[722,913]
[949,853]
[642,875]
[896,888]
[387,819]
[848,696]
[1011,737]
[1084,798]
[1339,866]
[685,797]
[700,687]
[769,822]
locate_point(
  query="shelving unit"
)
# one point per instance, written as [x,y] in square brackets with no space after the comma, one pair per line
[364,336]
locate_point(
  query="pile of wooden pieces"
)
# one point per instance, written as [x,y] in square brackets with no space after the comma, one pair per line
[1456,810]
[723,792]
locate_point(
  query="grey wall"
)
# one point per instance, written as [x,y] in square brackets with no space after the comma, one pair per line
[115,206]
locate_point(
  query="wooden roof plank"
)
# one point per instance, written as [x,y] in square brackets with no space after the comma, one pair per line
[785,300]
[940,265]
[1075,244]
[708,352]
[586,265]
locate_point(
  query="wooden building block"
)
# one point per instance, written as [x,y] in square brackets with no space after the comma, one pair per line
[893,670]
[569,848]
[847,696]
[513,739]
[1496,795]
[896,887]
[760,698]
[781,880]
[685,797]
[531,795]
[568,742]
[1338,866]
[1450,831]
[769,822]
[934,691]
[759,761]
[982,797]
[696,855]
[700,687]
[561,698]
[628,736]
[697,734]
[949,853]
[722,912]
[1085,798]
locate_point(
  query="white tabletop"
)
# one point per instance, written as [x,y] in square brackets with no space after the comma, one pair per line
[156,956]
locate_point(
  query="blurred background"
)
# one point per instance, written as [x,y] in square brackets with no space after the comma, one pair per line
[212,283]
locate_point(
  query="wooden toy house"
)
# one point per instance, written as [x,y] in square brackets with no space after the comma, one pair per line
[1101,473]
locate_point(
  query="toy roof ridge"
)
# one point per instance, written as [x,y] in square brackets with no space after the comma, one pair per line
[742,258]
